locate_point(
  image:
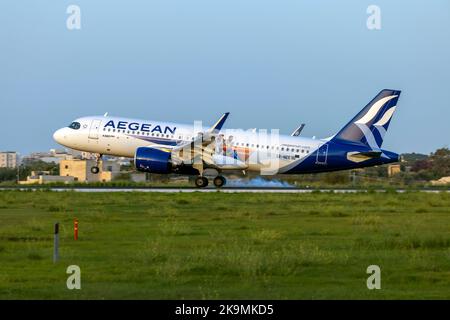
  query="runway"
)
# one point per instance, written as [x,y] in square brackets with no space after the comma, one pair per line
[222,190]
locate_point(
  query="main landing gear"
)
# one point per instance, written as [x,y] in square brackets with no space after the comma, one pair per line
[95,169]
[202,182]
[219,181]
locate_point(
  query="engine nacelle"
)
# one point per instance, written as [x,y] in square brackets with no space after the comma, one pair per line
[153,160]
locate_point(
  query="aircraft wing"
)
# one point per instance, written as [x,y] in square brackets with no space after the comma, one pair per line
[205,137]
[201,152]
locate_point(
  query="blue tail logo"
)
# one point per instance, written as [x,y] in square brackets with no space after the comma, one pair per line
[369,126]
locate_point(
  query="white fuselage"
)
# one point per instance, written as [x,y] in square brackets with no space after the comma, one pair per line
[122,136]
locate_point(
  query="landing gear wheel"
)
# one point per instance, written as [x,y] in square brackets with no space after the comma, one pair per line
[219,181]
[98,157]
[201,182]
[95,170]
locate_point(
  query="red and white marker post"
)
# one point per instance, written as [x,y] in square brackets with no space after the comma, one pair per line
[75,229]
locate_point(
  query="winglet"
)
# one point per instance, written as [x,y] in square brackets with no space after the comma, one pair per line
[219,124]
[297,131]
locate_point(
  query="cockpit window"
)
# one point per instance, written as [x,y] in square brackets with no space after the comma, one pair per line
[75,125]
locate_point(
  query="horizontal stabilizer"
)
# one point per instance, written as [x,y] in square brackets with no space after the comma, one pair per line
[371,154]
[363,156]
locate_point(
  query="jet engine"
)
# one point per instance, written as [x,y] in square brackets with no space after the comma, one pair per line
[153,160]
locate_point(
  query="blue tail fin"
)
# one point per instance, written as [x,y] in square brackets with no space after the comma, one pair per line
[370,125]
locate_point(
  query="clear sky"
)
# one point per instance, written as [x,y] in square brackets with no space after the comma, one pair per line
[272,64]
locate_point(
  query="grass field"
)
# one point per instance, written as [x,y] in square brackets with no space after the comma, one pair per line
[226,246]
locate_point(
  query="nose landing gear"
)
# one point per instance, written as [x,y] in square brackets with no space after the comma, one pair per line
[95,169]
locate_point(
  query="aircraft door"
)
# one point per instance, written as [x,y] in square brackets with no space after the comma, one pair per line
[95,128]
[322,154]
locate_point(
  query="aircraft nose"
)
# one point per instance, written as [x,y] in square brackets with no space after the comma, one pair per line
[58,136]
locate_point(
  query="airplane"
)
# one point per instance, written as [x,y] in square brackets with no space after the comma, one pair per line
[167,147]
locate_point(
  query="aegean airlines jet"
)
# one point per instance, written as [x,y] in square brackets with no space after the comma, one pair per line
[166,147]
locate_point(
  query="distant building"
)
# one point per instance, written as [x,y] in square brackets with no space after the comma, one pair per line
[124,161]
[442,181]
[138,177]
[54,155]
[43,177]
[393,169]
[8,159]
[80,170]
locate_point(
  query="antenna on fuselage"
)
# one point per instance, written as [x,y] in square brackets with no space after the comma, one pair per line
[106,114]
